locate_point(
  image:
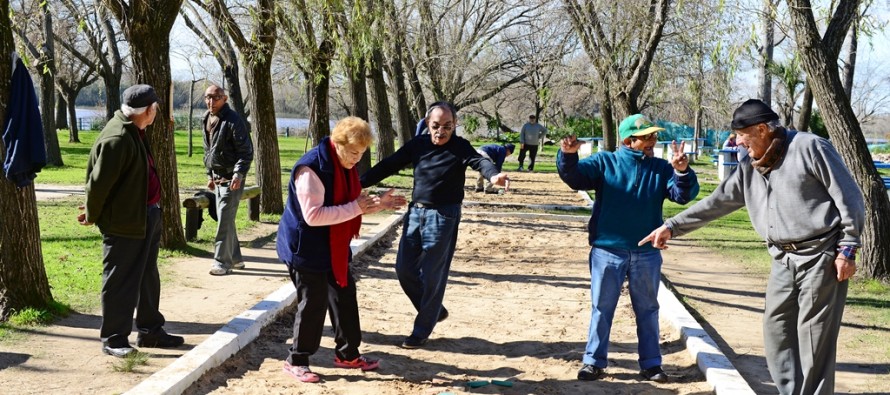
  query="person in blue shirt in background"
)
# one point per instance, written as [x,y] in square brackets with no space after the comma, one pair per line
[496,154]
[631,185]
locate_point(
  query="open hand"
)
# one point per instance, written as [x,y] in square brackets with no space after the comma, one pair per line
[392,202]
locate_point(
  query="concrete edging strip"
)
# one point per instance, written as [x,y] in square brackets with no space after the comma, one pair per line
[240,331]
[718,370]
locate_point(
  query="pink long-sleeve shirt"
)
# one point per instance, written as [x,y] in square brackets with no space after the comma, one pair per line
[310,194]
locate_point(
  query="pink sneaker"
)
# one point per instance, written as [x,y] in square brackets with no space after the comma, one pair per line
[301,373]
[363,363]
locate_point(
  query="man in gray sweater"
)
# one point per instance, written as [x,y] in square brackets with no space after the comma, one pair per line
[804,203]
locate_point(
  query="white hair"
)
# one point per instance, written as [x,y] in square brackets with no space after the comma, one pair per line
[130,111]
[773,124]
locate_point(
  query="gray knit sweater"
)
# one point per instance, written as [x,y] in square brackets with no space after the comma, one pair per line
[809,198]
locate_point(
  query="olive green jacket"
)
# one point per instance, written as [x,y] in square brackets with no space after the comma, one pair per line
[117,180]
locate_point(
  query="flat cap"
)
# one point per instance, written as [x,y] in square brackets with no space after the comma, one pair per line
[752,112]
[138,96]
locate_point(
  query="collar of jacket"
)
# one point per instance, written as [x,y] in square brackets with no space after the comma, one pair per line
[631,153]
[222,111]
[325,156]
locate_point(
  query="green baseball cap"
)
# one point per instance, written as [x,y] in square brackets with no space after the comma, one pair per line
[637,125]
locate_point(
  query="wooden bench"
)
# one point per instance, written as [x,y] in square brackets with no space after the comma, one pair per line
[195,206]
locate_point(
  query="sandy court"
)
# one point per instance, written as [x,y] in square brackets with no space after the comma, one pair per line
[518,298]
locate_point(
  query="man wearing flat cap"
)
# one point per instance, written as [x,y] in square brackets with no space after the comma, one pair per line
[802,200]
[123,194]
[631,186]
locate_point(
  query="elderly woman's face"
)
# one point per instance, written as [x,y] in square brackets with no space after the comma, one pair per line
[349,154]
[441,124]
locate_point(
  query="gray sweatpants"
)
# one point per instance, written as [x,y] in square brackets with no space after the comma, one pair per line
[801,321]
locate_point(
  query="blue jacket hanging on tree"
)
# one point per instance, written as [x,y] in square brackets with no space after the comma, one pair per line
[23,130]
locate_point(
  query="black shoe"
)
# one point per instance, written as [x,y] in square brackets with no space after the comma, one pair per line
[412,342]
[591,373]
[479,189]
[655,374]
[442,315]
[119,352]
[159,340]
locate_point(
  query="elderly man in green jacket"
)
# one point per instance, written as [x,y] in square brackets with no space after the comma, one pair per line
[123,193]
[802,200]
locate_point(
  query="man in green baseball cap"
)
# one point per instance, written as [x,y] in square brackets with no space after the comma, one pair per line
[631,185]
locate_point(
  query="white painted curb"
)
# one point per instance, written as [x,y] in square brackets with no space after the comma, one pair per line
[718,370]
[240,331]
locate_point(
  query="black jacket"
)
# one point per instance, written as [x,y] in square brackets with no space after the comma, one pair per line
[228,149]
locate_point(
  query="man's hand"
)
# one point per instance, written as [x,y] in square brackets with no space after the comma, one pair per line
[500,179]
[846,267]
[392,202]
[211,185]
[235,184]
[679,160]
[82,217]
[569,144]
[659,238]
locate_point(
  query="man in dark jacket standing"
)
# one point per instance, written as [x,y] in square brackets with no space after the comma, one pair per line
[123,193]
[429,234]
[228,153]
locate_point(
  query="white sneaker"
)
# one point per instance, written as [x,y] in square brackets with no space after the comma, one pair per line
[219,270]
[238,265]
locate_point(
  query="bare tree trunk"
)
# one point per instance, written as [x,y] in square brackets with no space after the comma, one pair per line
[358,93]
[112,94]
[61,112]
[112,68]
[147,26]
[843,127]
[47,69]
[766,52]
[405,119]
[610,134]
[74,130]
[850,63]
[806,109]
[266,157]
[23,281]
[417,97]
[385,133]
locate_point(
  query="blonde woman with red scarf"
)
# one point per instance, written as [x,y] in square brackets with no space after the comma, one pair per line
[324,212]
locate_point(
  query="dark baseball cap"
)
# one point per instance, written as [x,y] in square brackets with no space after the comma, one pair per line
[752,112]
[138,96]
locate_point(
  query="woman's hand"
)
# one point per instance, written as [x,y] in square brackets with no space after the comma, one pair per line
[369,204]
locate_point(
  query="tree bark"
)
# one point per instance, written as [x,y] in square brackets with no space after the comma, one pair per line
[358,93]
[46,67]
[266,158]
[23,281]
[385,133]
[405,119]
[610,134]
[850,63]
[843,127]
[146,25]
[61,112]
[806,108]
[766,52]
[74,130]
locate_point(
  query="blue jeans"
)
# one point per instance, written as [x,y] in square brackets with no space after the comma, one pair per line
[426,248]
[608,269]
[226,248]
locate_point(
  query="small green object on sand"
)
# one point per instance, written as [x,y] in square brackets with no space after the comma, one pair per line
[478,383]
[502,383]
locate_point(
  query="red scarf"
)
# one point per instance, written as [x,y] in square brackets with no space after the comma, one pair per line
[346,189]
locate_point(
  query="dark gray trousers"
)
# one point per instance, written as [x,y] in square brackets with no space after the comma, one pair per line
[130,280]
[801,321]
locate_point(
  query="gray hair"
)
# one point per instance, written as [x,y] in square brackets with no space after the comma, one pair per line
[773,124]
[130,111]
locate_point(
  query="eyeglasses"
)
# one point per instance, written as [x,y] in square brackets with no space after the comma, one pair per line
[647,137]
[213,97]
[446,128]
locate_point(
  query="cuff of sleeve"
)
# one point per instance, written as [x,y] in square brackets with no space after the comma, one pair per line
[679,173]
[848,251]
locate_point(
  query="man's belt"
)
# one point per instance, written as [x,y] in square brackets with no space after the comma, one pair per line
[799,245]
[424,205]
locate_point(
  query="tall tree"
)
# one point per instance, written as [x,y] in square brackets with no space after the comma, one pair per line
[767,48]
[622,53]
[41,47]
[396,41]
[23,281]
[96,29]
[455,40]
[309,32]
[256,52]
[146,24]
[220,45]
[819,56]
[61,112]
